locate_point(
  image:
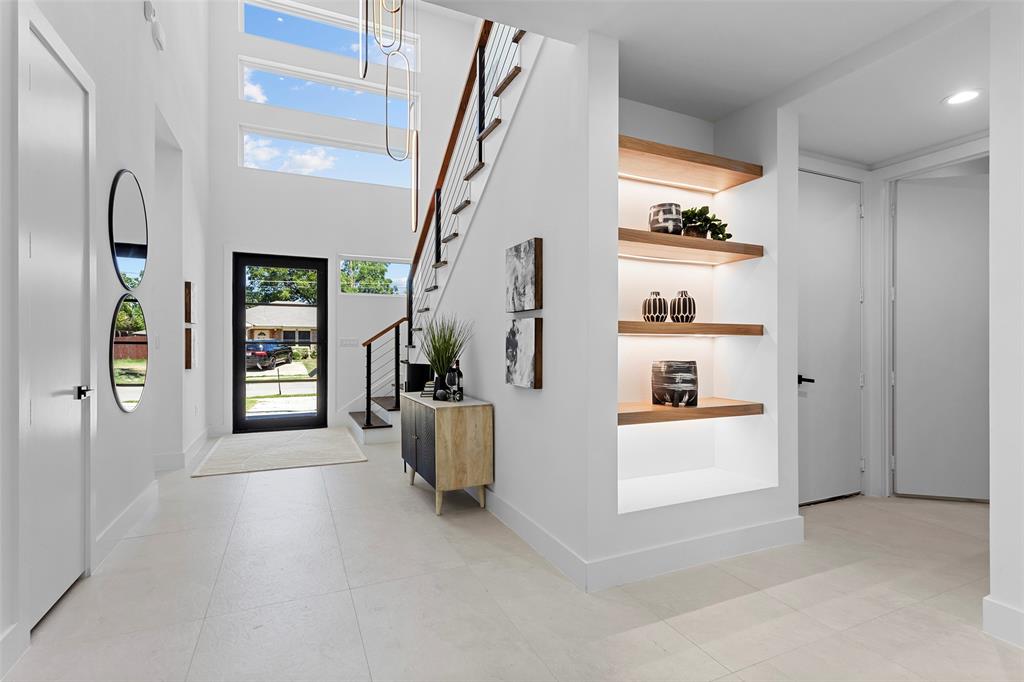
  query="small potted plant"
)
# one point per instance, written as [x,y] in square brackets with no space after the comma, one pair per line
[444,339]
[701,222]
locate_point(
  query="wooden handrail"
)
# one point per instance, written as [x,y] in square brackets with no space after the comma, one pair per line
[384,331]
[467,93]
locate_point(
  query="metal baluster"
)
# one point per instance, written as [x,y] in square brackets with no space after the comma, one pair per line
[437,226]
[409,284]
[398,361]
[369,388]
[480,102]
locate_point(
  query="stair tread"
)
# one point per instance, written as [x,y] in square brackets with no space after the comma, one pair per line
[423,310]
[417,329]
[432,287]
[518,35]
[474,170]
[507,80]
[387,402]
[452,237]
[440,264]
[461,207]
[491,127]
[375,421]
[409,345]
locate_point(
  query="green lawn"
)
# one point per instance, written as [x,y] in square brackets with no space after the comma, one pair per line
[129,372]
[251,402]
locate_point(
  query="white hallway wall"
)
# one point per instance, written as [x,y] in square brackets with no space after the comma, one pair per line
[113,43]
[265,212]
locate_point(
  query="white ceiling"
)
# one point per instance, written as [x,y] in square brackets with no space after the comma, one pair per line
[708,59]
[893,107]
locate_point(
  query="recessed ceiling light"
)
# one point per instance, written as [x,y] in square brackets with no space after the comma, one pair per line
[962,97]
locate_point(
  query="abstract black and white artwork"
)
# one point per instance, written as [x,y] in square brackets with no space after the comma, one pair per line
[523,276]
[523,343]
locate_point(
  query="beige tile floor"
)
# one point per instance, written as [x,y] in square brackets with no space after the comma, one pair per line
[344,573]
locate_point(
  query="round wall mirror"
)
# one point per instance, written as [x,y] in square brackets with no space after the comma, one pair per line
[129,229]
[129,353]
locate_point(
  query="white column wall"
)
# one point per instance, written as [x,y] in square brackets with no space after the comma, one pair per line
[1004,606]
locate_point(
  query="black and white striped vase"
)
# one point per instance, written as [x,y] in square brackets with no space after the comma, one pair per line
[682,308]
[655,308]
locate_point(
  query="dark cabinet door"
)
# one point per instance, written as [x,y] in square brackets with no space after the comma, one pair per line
[409,410]
[425,465]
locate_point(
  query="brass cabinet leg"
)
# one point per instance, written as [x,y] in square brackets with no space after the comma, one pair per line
[481,496]
[438,499]
[412,476]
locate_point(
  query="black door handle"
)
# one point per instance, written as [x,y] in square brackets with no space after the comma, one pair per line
[82,392]
[801,379]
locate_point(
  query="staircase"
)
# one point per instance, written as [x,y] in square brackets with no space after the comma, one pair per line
[493,87]
[373,424]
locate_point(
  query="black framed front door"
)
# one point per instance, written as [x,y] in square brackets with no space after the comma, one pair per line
[279,342]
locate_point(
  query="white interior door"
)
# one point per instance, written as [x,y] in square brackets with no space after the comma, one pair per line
[829,352]
[940,337]
[53,208]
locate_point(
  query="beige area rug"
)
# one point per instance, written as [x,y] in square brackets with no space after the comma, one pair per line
[243,452]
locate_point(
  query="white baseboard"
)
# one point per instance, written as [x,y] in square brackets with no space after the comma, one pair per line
[1003,621]
[654,561]
[601,574]
[195,449]
[172,461]
[547,545]
[13,643]
[120,526]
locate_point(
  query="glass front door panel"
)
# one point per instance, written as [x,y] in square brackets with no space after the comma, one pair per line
[279,381]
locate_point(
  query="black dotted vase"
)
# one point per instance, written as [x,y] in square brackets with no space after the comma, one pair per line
[655,308]
[682,308]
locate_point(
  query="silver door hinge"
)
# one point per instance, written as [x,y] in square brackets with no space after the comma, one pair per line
[30,245]
[892,462]
[892,209]
[860,380]
[892,378]
[861,297]
[861,211]
[863,465]
[892,293]
[30,412]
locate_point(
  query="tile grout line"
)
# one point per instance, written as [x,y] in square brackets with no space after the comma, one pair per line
[341,553]
[220,566]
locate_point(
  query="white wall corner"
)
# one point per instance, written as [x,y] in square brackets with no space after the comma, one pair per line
[676,556]
[1003,621]
[121,525]
[544,543]
[13,643]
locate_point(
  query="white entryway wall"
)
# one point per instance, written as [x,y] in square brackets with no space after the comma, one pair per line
[259,211]
[113,43]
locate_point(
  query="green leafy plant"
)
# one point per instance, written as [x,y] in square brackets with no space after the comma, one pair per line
[444,339]
[702,222]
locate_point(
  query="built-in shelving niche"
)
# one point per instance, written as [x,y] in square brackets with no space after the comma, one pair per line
[651,172]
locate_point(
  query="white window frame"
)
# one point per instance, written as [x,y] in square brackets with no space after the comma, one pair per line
[376,259]
[244,129]
[322,77]
[321,15]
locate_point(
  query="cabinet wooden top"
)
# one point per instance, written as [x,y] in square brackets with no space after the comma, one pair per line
[442,404]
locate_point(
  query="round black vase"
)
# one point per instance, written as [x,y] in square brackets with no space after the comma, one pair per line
[682,308]
[440,392]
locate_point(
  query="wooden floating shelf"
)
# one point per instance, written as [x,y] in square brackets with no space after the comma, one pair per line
[690,328]
[664,164]
[707,408]
[680,249]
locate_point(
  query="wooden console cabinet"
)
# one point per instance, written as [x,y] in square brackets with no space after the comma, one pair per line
[450,445]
